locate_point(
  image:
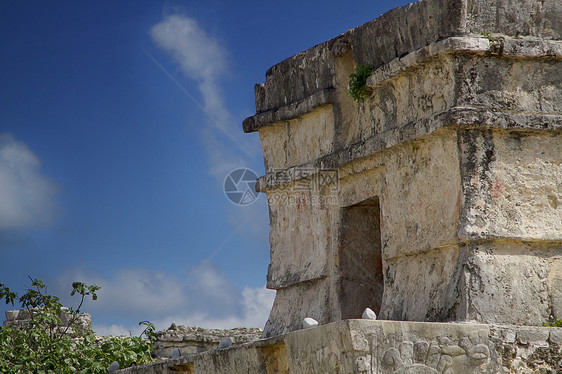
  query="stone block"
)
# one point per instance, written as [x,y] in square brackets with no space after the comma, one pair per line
[505,282]
[507,335]
[391,347]
[23,315]
[296,303]
[508,192]
[12,315]
[556,336]
[532,336]
[230,360]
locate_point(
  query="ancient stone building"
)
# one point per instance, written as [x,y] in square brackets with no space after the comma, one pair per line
[436,199]
[439,198]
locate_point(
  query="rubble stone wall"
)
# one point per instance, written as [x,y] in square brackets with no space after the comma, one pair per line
[19,318]
[190,340]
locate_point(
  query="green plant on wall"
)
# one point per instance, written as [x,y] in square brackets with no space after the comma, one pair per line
[496,44]
[557,323]
[357,87]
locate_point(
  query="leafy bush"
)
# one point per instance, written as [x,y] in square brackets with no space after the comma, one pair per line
[358,82]
[46,345]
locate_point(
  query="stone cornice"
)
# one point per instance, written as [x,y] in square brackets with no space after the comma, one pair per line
[498,46]
[506,47]
[294,110]
[457,117]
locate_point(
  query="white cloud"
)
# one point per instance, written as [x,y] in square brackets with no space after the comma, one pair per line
[116,330]
[222,159]
[126,292]
[27,198]
[258,302]
[255,305]
[213,301]
[203,59]
[255,219]
[200,57]
[205,298]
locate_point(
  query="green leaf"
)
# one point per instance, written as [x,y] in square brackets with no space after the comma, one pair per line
[40,348]
[357,87]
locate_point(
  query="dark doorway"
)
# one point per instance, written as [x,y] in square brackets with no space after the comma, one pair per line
[360,259]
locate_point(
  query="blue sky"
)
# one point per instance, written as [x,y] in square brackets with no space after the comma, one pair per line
[119,122]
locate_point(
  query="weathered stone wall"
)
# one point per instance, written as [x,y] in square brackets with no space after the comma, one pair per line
[381,347]
[309,76]
[459,142]
[20,318]
[512,183]
[189,340]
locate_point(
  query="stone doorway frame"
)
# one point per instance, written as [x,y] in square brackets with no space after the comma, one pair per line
[359,259]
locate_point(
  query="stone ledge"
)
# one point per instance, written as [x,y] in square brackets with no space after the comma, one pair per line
[513,48]
[371,347]
[285,113]
[196,339]
[458,117]
[183,364]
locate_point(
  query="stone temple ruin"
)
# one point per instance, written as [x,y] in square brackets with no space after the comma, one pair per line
[436,202]
[440,197]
